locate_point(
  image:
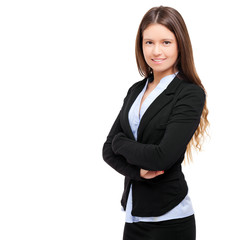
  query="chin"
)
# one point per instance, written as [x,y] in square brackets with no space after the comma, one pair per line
[160,69]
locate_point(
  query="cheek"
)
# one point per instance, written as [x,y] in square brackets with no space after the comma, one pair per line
[147,54]
[173,53]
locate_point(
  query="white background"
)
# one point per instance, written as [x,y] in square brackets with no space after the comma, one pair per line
[65,67]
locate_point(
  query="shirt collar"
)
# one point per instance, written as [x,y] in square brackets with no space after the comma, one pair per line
[163,82]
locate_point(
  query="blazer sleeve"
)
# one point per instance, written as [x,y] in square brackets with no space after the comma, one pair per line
[181,126]
[117,161]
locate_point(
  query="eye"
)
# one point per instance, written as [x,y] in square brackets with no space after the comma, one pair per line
[148,42]
[166,42]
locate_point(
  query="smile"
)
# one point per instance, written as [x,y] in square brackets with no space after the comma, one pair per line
[159,60]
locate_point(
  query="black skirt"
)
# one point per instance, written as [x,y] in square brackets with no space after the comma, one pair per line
[175,229]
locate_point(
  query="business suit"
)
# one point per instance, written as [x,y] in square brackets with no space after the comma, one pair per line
[164,132]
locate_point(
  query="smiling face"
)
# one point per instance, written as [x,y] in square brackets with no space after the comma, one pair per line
[160,50]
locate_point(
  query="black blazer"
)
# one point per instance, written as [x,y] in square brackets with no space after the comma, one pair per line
[165,129]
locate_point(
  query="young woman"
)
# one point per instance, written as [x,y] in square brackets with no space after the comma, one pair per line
[162,117]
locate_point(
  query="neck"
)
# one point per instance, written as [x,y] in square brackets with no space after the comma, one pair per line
[157,76]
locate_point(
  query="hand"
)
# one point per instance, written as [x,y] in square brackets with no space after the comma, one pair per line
[150,174]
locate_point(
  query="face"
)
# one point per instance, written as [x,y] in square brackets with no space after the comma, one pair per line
[160,49]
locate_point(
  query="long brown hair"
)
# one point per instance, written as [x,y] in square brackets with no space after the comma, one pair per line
[171,18]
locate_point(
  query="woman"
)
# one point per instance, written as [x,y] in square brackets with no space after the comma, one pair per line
[162,117]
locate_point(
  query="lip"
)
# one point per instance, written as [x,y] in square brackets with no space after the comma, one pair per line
[158,60]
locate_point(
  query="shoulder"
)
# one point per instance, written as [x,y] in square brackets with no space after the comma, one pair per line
[137,85]
[191,90]
[189,100]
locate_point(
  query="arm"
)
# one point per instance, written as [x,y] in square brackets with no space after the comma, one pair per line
[118,162]
[181,126]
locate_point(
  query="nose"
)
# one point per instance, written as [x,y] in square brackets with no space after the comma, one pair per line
[157,50]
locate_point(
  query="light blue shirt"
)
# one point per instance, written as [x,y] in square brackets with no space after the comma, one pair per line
[184,208]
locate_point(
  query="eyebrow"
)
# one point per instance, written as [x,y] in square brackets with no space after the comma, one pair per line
[161,39]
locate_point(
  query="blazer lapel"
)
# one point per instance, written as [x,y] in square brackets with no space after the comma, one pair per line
[164,98]
[126,107]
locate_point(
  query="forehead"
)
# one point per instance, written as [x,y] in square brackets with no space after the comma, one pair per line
[157,31]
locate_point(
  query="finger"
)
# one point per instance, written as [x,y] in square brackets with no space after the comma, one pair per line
[160,172]
[143,172]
